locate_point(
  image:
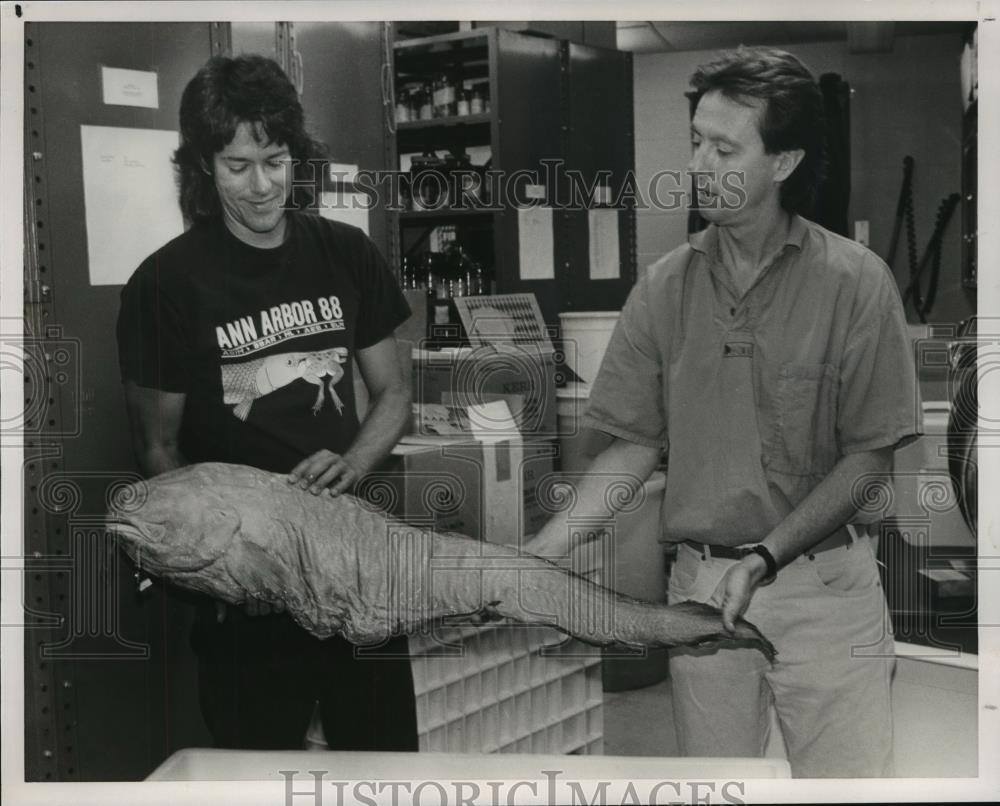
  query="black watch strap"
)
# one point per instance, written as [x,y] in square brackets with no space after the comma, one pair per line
[769,561]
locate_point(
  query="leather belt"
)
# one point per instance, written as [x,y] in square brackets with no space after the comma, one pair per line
[839,539]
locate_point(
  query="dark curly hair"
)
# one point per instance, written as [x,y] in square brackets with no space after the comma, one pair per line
[793,110]
[223,94]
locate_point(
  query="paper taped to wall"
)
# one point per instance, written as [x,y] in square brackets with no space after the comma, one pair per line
[123,87]
[535,248]
[605,261]
[130,198]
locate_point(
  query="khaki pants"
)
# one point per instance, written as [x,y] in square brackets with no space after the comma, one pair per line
[830,683]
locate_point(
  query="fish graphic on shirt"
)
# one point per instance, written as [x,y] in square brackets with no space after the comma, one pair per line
[244,382]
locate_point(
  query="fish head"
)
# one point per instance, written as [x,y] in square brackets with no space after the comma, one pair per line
[176,522]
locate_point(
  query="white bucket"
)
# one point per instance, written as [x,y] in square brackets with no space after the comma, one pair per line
[585,338]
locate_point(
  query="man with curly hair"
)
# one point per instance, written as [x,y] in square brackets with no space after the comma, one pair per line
[238,342]
[769,359]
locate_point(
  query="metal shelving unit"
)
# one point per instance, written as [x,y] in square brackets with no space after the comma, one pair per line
[580,116]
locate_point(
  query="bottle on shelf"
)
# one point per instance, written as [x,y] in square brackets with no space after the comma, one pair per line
[476,102]
[413,278]
[436,285]
[426,102]
[442,291]
[446,272]
[474,279]
[427,273]
[403,110]
[425,187]
[444,96]
[462,98]
[463,271]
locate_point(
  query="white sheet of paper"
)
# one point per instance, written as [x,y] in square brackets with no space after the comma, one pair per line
[130,197]
[130,87]
[605,260]
[536,254]
[346,207]
[492,422]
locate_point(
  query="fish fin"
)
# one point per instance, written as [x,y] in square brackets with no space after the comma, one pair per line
[242,409]
[745,631]
[484,615]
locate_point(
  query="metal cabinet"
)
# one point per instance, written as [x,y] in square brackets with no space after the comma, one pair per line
[599,144]
[555,109]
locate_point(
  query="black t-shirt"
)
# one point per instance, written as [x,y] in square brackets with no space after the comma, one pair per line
[262,341]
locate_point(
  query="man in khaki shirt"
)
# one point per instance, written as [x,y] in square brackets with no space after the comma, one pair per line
[769,360]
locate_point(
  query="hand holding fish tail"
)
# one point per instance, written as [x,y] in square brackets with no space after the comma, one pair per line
[736,589]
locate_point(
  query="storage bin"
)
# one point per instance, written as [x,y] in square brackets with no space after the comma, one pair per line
[585,338]
[503,693]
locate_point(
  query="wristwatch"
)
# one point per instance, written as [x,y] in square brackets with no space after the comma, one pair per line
[769,561]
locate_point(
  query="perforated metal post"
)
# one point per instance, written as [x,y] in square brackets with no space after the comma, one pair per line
[49,368]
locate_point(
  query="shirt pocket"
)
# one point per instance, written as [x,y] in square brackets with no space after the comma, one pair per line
[806,420]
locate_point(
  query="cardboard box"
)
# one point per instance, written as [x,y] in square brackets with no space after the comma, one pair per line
[523,375]
[485,490]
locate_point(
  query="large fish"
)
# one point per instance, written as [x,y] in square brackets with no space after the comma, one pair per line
[340,566]
[245,381]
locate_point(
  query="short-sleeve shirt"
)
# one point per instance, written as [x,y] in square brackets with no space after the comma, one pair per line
[261,341]
[755,398]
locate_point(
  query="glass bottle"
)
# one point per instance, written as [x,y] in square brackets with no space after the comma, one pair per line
[442,295]
[403,107]
[476,102]
[475,280]
[462,102]
[444,96]
[426,102]
[428,274]
[405,273]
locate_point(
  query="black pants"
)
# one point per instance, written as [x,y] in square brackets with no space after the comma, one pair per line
[259,677]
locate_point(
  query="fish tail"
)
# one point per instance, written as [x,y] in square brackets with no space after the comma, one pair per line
[594,614]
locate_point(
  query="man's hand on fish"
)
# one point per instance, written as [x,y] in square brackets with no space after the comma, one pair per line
[736,589]
[325,470]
